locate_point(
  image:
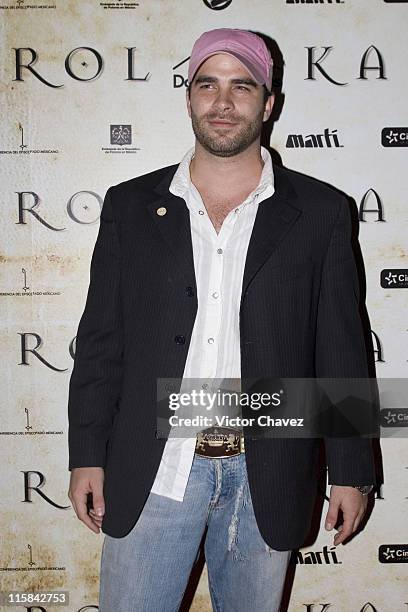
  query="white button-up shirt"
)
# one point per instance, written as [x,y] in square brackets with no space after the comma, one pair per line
[219,261]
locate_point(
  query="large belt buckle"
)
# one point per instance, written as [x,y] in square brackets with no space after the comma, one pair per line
[220,442]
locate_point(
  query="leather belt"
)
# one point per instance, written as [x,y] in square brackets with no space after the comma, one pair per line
[219,442]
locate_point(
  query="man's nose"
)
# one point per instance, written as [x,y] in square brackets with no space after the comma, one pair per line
[223,101]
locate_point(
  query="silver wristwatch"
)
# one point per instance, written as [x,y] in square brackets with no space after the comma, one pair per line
[364,489]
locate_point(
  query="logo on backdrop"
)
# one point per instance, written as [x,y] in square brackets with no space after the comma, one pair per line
[82,64]
[118,4]
[394,278]
[394,137]
[314,1]
[314,64]
[377,347]
[393,553]
[327,139]
[32,562]
[180,80]
[332,607]
[20,4]
[217,5]
[325,556]
[26,290]
[27,339]
[370,195]
[120,135]
[22,141]
[30,428]
[395,417]
[83,207]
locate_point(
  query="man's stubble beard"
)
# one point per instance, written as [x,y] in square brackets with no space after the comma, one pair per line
[225,145]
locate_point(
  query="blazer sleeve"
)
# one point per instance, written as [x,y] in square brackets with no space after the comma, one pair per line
[340,348]
[95,383]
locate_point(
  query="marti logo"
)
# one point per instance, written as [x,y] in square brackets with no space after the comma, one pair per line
[394,278]
[393,553]
[318,557]
[314,65]
[314,141]
[394,137]
[217,5]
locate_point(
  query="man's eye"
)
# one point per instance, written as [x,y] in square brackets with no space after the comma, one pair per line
[206,85]
[243,88]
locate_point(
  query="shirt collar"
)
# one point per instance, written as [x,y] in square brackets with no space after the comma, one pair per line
[181,183]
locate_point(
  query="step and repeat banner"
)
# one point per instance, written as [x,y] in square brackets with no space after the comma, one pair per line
[93,93]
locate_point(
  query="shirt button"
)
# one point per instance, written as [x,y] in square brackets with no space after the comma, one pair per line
[179,339]
[210,340]
[200,212]
[219,251]
[215,294]
[189,291]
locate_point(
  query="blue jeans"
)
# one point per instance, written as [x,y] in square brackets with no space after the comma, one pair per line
[148,569]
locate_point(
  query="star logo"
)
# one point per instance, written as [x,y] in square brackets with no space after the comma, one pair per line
[390,417]
[389,553]
[392,137]
[391,278]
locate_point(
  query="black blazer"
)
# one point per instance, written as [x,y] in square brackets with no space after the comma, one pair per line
[299,317]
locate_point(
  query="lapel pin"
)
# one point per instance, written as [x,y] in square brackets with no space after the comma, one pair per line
[161,211]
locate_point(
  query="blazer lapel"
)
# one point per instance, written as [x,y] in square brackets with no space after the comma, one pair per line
[175,228]
[275,217]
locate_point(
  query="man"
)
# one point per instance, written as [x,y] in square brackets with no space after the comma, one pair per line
[222,266]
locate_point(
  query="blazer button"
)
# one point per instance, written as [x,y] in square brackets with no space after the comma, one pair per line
[179,339]
[189,291]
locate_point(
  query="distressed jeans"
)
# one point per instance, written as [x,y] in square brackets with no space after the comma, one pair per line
[148,569]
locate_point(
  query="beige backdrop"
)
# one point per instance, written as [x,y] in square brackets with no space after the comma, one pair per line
[57,160]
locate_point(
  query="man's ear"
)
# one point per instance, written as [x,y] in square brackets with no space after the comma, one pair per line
[188,103]
[268,107]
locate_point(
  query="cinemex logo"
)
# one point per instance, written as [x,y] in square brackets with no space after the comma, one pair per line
[394,137]
[393,553]
[314,141]
[394,278]
[395,417]
[217,5]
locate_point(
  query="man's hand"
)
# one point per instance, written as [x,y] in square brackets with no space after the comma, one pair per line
[352,503]
[86,480]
